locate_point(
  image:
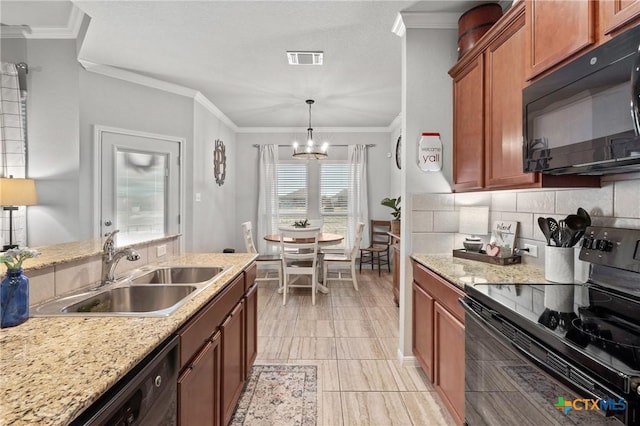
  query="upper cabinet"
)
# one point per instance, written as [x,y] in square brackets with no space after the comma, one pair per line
[617,15]
[556,30]
[487,115]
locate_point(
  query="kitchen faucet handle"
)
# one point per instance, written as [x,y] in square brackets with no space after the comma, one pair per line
[108,244]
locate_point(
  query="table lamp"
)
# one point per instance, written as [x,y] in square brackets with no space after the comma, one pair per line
[13,193]
[474,221]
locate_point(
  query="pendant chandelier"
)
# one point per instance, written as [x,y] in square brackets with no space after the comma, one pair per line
[310,151]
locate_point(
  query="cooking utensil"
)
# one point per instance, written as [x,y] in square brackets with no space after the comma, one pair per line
[553,227]
[565,234]
[577,224]
[544,227]
[583,213]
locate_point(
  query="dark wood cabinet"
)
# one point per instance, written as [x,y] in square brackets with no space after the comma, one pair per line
[422,341]
[449,359]
[232,362]
[556,31]
[251,328]
[487,114]
[616,16]
[438,336]
[468,126]
[395,254]
[213,353]
[199,387]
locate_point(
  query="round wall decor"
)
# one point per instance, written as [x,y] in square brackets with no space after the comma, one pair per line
[219,162]
[398,155]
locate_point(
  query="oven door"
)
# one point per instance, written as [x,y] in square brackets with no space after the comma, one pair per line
[504,387]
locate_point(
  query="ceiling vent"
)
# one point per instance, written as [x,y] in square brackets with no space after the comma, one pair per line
[305,58]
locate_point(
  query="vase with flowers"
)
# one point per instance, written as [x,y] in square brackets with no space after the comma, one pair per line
[14,287]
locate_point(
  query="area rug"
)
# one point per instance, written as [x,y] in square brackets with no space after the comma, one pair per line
[280,395]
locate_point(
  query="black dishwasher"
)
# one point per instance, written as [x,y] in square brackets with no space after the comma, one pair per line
[145,396]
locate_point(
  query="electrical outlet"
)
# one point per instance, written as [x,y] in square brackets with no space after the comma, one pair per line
[161,250]
[533,250]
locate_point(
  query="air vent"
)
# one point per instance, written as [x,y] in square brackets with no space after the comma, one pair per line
[305,58]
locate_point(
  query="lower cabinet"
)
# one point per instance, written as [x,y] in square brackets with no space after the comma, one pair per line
[199,387]
[217,347]
[438,336]
[233,365]
[395,250]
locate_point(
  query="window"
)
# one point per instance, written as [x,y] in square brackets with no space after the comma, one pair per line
[292,192]
[334,181]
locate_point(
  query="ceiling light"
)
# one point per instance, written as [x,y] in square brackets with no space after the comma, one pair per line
[310,150]
[305,58]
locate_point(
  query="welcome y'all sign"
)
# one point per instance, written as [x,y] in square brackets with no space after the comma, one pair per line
[430,152]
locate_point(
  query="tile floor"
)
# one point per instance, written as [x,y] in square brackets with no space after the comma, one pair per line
[352,336]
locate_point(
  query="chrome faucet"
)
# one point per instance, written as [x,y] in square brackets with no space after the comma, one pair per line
[111,257]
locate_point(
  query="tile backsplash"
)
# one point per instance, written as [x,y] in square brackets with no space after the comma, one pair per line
[434,217]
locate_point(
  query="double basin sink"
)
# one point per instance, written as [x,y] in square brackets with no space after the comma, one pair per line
[145,292]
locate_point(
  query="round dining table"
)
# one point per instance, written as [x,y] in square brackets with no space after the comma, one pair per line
[324,239]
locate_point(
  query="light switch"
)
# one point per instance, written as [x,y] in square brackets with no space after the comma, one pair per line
[198,197]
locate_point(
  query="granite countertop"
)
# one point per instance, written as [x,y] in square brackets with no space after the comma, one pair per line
[54,368]
[464,271]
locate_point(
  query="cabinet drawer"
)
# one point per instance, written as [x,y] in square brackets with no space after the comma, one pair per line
[250,276]
[440,289]
[197,331]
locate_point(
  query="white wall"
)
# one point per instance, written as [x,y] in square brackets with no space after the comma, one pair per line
[427,105]
[53,128]
[379,165]
[213,224]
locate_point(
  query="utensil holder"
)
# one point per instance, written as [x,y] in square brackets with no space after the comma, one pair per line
[558,264]
[580,267]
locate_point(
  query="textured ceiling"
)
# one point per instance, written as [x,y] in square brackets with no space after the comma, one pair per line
[234,53]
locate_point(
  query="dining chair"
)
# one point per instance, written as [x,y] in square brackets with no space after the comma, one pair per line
[339,260]
[378,251]
[269,260]
[299,263]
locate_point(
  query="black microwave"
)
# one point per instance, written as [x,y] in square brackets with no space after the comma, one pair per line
[584,118]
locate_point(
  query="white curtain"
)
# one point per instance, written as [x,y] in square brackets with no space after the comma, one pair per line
[12,144]
[358,210]
[267,197]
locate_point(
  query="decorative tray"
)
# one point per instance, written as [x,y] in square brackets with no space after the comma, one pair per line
[482,256]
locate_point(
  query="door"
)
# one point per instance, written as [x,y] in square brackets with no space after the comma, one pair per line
[232,364]
[139,185]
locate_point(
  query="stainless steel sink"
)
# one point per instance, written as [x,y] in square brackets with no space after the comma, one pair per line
[177,275]
[133,299]
[172,287]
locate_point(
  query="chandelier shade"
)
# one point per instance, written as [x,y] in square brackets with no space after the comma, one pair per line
[311,150]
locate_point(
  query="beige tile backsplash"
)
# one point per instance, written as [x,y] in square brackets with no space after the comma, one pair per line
[435,220]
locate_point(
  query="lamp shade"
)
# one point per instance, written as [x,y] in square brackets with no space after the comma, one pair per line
[474,220]
[18,192]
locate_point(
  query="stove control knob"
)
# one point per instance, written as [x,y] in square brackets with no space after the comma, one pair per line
[604,245]
[588,242]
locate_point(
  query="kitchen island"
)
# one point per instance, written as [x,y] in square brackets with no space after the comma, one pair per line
[55,368]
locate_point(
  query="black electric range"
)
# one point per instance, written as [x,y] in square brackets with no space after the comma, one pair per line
[585,335]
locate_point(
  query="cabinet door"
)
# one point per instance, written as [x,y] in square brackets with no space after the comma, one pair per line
[616,14]
[423,329]
[468,127]
[449,360]
[251,329]
[556,29]
[232,362]
[396,272]
[504,81]
[199,388]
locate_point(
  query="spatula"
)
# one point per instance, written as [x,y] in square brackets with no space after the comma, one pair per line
[544,227]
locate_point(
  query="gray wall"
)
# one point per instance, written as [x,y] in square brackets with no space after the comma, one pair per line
[53,129]
[213,225]
[379,166]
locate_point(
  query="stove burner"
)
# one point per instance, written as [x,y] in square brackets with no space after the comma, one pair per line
[552,319]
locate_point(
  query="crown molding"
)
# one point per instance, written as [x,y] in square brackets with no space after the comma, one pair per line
[209,106]
[315,129]
[424,20]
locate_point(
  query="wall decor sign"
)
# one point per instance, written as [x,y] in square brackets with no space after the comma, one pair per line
[503,238]
[219,162]
[430,152]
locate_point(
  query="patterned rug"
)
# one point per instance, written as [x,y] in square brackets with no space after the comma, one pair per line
[279,395]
